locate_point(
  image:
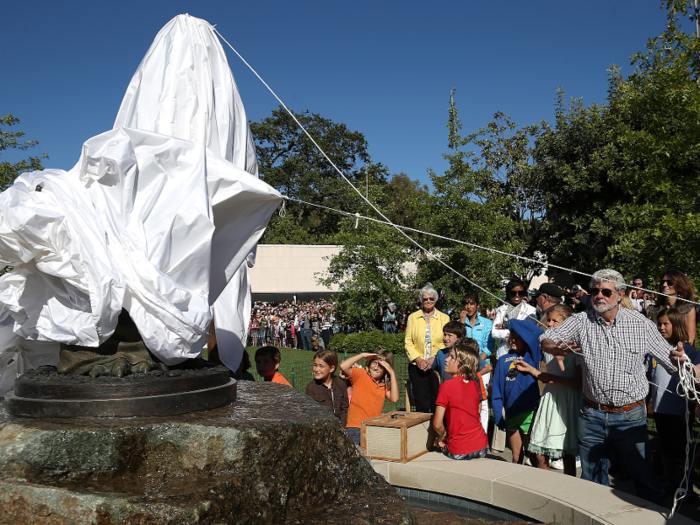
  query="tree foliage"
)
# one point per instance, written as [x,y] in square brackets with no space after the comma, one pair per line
[9,140]
[620,180]
[289,162]
[478,200]
[375,260]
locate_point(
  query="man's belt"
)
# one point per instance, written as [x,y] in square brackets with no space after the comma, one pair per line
[607,408]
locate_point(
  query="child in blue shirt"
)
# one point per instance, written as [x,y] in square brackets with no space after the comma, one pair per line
[516,395]
[452,331]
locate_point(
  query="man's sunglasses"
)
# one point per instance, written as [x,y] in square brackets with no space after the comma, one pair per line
[607,292]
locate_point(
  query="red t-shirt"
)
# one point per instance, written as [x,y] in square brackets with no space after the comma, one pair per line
[367,398]
[460,400]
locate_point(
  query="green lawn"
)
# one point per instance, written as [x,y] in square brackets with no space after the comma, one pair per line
[296,367]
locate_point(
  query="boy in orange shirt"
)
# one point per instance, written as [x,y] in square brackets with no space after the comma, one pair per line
[370,388]
[267,362]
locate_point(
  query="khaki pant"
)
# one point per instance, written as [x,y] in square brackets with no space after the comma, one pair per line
[498,442]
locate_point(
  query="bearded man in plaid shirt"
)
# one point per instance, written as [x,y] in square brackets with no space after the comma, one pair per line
[612,343]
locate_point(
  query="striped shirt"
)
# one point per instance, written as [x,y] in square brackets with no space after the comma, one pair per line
[613,356]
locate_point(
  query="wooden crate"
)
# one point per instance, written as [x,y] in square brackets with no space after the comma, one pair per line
[397,436]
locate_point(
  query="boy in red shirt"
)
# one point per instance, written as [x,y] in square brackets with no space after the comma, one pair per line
[267,362]
[457,420]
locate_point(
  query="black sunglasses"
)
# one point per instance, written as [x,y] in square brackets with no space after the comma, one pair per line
[521,293]
[607,292]
[666,281]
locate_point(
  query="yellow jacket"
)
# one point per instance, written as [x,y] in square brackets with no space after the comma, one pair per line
[415,334]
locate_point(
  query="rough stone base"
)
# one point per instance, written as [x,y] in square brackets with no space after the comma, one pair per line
[275,456]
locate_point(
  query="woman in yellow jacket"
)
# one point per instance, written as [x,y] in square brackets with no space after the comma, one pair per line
[423,340]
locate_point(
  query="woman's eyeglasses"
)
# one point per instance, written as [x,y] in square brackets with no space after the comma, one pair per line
[607,292]
[432,299]
[666,281]
[521,293]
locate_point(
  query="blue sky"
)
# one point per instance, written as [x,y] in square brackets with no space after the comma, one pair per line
[384,68]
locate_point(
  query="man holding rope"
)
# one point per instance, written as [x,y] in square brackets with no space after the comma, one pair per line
[613,343]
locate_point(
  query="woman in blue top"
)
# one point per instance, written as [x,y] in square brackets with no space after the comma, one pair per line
[516,395]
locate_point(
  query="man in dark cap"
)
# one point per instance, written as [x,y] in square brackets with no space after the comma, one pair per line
[582,301]
[548,295]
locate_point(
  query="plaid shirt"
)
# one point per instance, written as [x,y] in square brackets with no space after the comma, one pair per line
[613,356]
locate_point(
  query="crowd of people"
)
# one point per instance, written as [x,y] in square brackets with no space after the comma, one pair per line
[304,325]
[569,372]
[567,380]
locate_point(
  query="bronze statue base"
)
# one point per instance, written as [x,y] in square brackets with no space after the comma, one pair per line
[44,392]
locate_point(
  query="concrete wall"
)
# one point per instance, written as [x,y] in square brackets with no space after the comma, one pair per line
[284,269]
[543,496]
[290,268]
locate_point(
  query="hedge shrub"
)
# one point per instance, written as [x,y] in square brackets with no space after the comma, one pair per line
[367,342]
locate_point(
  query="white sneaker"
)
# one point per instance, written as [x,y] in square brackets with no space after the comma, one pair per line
[527,462]
[557,464]
[578,461]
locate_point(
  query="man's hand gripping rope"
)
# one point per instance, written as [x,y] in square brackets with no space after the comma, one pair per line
[560,350]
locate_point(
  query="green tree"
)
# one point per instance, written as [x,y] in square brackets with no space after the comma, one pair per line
[621,179]
[374,263]
[399,199]
[477,200]
[375,260]
[290,162]
[12,140]
[573,178]
[511,178]
[484,198]
[655,116]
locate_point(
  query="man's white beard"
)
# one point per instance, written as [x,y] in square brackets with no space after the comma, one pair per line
[605,307]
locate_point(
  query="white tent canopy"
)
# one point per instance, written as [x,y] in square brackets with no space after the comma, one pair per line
[160,216]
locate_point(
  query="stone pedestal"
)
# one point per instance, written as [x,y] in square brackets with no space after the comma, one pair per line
[274,456]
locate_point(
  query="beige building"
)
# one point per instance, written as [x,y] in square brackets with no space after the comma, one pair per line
[283,271]
[286,271]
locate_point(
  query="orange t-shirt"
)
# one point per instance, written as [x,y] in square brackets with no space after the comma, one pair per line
[367,398]
[279,378]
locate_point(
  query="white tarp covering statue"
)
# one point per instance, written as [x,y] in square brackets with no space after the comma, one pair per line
[159,217]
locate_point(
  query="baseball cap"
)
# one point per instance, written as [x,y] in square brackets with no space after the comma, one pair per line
[550,289]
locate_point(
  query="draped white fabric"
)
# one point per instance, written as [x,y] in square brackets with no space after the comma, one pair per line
[160,216]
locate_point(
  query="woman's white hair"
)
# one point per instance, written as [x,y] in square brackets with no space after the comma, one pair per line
[609,275]
[427,289]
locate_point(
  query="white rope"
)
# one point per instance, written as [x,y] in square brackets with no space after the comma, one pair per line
[687,387]
[340,172]
[472,245]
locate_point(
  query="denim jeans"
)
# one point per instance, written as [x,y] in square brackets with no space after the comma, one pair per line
[474,455]
[355,434]
[627,432]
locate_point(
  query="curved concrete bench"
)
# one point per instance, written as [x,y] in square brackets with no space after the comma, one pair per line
[540,495]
